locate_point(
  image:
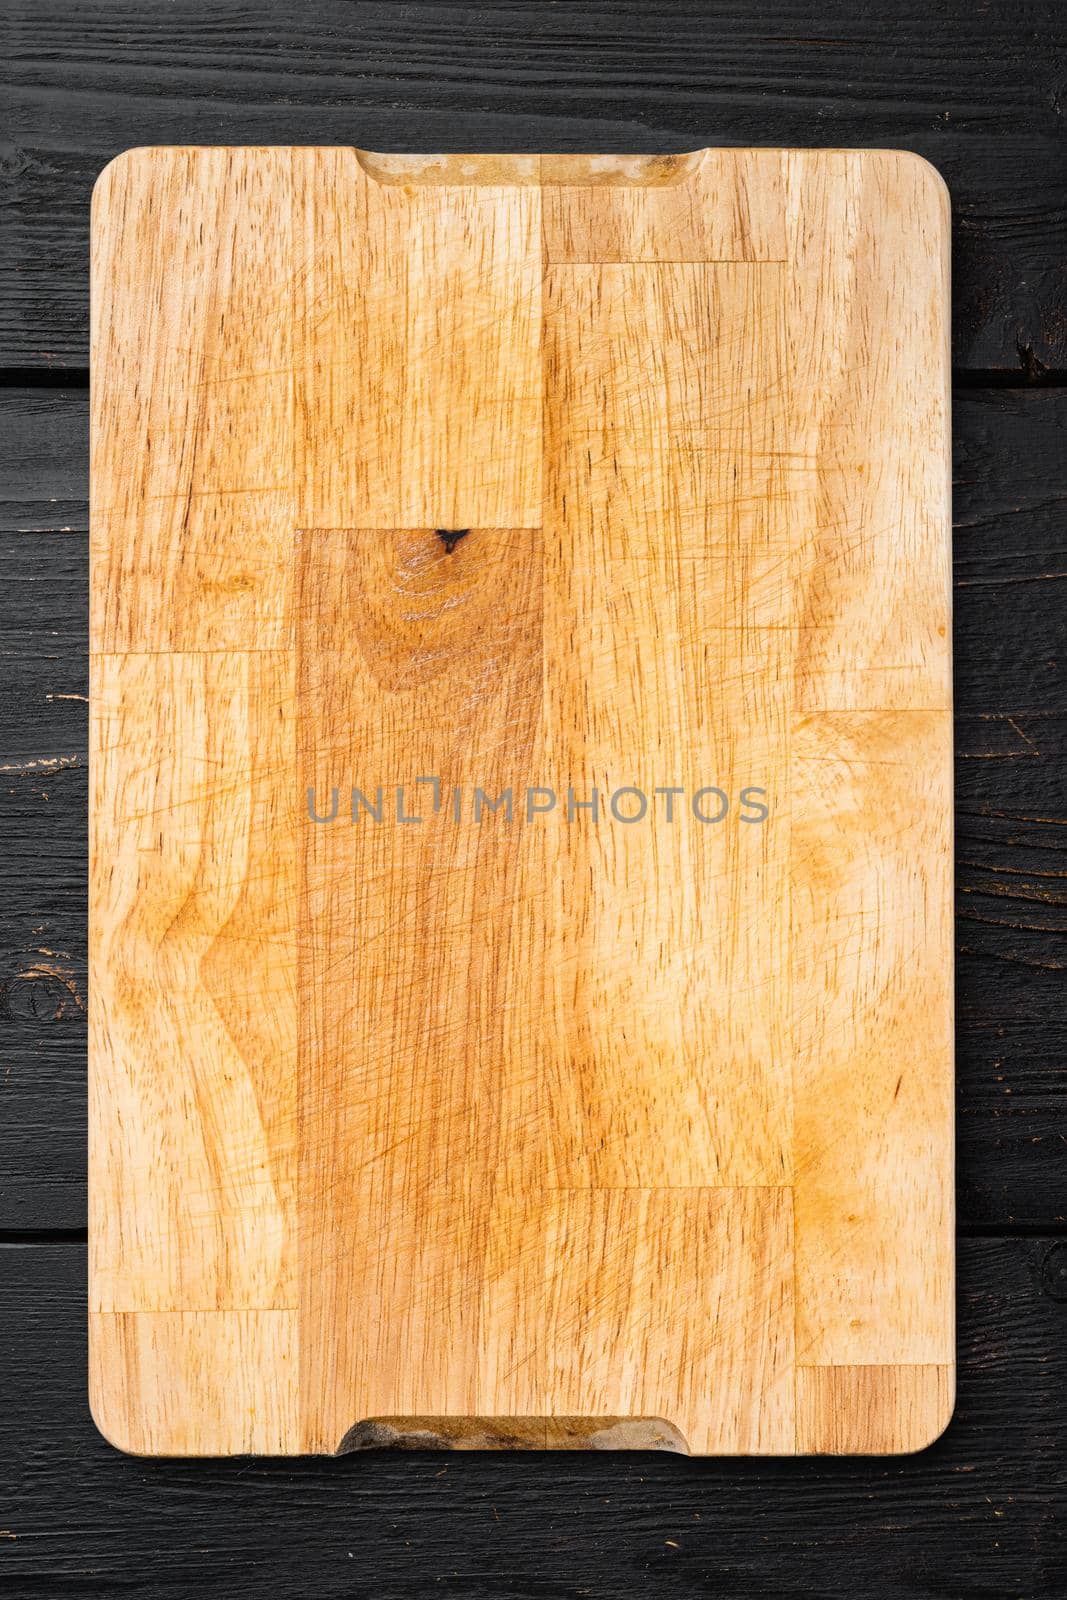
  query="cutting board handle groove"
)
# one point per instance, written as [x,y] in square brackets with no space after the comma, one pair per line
[513,1433]
[580,171]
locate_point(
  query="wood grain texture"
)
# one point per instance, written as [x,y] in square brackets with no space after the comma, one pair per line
[1009,555]
[977,90]
[870,1410]
[503,1118]
[193,896]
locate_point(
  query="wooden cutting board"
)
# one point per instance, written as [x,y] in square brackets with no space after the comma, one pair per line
[521,777]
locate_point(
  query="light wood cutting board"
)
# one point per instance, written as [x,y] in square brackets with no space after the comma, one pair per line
[521,1124]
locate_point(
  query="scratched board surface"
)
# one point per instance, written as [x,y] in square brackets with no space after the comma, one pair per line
[521,856]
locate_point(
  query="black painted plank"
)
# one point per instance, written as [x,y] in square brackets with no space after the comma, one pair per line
[42,993]
[44,671]
[43,798]
[974,1515]
[1011,785]
[44,474]
[1010,596]
[44,459]
[978,90]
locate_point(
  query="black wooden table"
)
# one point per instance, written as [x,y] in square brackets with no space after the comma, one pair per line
[981,90]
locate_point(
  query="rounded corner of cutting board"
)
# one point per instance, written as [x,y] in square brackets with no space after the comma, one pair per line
[890,1410]
[195,1383]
